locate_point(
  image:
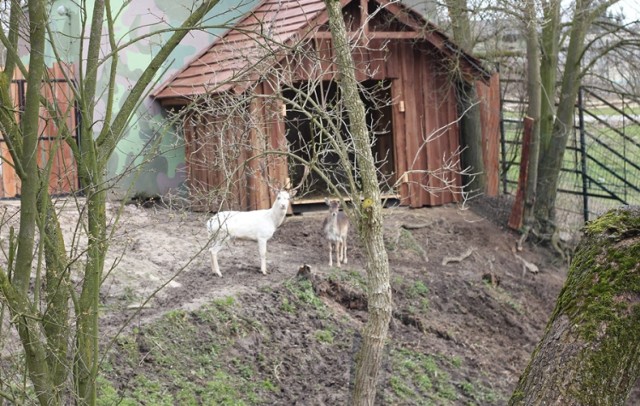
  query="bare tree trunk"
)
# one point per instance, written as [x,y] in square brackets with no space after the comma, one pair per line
[55,320]
[28,329]
[590,353]
[554,145]
[471,135]
[470,124]
[369,220]
[533,110]
[550,47]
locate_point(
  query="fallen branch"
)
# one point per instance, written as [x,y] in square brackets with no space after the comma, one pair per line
[527,266]
[447,260]
[407,226]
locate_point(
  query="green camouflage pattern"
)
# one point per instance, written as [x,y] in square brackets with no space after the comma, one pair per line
[150,159]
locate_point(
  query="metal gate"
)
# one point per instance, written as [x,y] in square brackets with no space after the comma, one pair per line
[601,166]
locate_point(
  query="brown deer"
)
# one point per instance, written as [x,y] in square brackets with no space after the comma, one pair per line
[335,228]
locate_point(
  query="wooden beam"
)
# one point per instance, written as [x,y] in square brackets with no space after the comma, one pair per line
[376,35]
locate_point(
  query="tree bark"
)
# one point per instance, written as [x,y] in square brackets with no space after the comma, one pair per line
[28,329]
[469,104]
[555,143]
[590,352]
[533,111]
[369,220]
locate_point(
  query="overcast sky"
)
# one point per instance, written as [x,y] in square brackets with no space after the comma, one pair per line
[630,8]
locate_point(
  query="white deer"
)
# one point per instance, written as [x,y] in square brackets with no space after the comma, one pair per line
[255,225]
[336,228]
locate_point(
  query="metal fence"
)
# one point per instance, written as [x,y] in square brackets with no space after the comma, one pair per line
[601,166]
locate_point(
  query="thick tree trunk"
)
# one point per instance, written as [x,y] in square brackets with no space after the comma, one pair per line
[369,220]
[590,353]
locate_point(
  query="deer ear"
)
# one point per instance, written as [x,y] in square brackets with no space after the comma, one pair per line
[326,201]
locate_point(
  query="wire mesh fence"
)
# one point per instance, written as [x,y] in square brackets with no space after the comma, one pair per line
[601,166]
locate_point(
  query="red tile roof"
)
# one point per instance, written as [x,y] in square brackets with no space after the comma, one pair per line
[252,41]
[260,38]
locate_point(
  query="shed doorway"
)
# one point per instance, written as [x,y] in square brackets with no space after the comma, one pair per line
[310,110]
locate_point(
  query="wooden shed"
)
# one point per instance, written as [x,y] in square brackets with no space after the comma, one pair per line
[284,48]
[53,151]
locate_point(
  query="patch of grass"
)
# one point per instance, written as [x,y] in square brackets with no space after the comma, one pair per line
[178,361]
[303,291]
[479,393]
[502,296]
[417,292]
[421,379]
[151,391]
[107,393]
[417,289]
[324,336]
[401,389]
[286,306]
[348,277]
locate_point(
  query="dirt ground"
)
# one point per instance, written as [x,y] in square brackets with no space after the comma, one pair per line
[481,315]
[492,327]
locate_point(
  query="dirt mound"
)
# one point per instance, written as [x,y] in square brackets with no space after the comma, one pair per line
[467,313]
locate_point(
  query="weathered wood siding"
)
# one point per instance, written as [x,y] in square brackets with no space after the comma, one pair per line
[52,149]
[230,158]
[425,135]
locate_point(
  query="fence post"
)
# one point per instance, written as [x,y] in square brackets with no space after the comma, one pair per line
[503,141]
[583,156]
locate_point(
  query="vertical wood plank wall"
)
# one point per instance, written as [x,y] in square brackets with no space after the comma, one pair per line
[52,149]
[425,134]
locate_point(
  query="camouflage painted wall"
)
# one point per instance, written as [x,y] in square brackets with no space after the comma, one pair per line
[149,160]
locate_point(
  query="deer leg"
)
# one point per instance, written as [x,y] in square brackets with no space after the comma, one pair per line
[344,250]
[338,252]
[214,259]
[330,254]
[262,249]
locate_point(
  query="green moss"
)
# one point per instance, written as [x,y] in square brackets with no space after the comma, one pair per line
[604,270]
[616,223]
[601,294]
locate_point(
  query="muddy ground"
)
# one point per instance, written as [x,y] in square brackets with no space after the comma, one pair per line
[485,312]
[462,332]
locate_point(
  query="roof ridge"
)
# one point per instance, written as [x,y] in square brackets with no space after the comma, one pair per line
[205,49]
